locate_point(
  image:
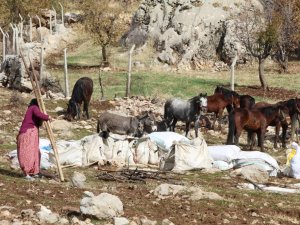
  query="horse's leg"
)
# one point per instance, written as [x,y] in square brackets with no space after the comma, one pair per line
[197,126]
[277,129]
[173,124]
[187,128]
[214,121]
[220,114]
[284,126]
[86,108]
[261,136]
[237,135]
[250,139]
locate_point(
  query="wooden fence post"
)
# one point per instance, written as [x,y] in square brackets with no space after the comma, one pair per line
[42,62]
[40,25]
[62,14]
[50,22]
[30,28]
[3,45]
[66,74]
[232,71]
[21,27]
[128,85]
[54,17]
[14,39]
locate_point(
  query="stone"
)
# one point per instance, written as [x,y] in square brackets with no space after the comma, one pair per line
[46,216]
[167,222]
[103,206]
[78,180]
[146,221]
[61,125]
[59,109]
[253,173]
[120,221]
[168,189]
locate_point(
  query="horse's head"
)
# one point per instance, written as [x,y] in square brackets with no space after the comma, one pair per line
[72,110]
[203,102]
[149,122]
[235,100]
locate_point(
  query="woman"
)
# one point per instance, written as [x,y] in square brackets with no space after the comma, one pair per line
[29,155]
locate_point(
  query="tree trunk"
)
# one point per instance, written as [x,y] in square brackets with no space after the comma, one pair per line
[105,62]
[262,79]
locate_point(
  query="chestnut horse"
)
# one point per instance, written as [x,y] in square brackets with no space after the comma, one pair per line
[217,102]
[253,121]
[246,101]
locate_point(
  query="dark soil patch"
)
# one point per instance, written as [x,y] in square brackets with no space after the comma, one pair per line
[273,93]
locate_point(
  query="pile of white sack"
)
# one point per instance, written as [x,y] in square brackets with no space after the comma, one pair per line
[166,150]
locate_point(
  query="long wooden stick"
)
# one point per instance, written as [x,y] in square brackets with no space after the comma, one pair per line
[38,95]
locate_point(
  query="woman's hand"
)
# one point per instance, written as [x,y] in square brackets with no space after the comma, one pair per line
[50,118]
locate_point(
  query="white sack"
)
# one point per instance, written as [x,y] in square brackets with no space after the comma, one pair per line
[295,162]
[69,153]
[165,140]
[258,155]
[91,149]
[224,153]
[187,157]
[147,152]
[122,153]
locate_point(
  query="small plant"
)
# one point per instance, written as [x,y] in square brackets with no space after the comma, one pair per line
[197,3]
[225,8]
[217,4]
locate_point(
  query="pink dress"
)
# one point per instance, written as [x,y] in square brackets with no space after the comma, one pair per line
[29,155]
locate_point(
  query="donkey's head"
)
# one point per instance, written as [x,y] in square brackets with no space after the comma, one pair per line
[148,121]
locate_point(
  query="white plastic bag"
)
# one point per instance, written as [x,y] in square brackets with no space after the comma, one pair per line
[224,153]
[165,140]
[295,162]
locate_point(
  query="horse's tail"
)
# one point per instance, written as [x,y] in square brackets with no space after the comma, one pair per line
[231,128]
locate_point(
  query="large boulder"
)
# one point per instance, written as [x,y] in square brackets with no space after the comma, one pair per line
[187,33]
[103,206]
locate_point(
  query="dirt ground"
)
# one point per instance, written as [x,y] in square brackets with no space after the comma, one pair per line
[238,207]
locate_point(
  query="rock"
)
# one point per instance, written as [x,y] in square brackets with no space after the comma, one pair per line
[103,206]
[120,221]
[59,109]
[5,214]
[168,189]
[88,127]
[5,222]
[27,213]
[46,216]
[146,221]
[167,222]
[61,125]
[253,173]
[78,180]
[187,33]
[6,112]
[63,221]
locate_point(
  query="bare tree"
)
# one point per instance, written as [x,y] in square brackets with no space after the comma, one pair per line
[257,33]
[285,15]
[103,22]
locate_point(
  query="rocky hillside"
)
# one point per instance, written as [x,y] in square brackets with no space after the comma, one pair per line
[187,33]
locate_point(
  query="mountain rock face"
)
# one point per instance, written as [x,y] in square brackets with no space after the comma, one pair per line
[188,34]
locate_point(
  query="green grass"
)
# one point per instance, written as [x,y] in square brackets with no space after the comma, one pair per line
[157,81]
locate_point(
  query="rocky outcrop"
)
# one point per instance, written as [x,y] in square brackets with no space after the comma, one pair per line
[187,34]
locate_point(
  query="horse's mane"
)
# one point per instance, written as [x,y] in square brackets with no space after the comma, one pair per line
[194,99]
[225,91]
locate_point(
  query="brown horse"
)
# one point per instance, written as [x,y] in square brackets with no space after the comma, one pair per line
[253,121]
[217,102]
[246,101]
